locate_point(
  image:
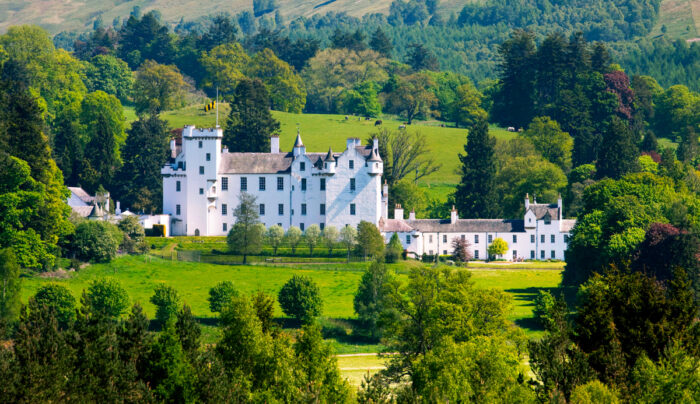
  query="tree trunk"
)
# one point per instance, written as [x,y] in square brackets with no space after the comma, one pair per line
[244,259]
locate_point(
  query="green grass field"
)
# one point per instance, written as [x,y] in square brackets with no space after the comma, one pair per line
[680,17]
[319,131]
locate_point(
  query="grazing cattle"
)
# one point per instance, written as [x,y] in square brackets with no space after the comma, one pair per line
[511,129]
[377,122]
[402,126]
[347,117]
[367,118]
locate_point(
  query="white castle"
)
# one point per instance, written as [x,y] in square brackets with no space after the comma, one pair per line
[202,185]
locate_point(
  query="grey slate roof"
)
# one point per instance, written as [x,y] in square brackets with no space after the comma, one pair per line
[461,226]
[83,211]
[272,163]
[567,225]
[541,209]
[82,194]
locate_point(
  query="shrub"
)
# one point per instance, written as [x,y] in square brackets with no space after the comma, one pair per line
[59,298]
[134,240]
[300,298]
[96,241]
[220,295]
[394,249]
[498,247]
[106,297]
[544,303]
[167,301]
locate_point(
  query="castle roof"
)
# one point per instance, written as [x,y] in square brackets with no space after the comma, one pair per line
[446,226]
[541,209]
[329,156]
[273,163]
[81,194]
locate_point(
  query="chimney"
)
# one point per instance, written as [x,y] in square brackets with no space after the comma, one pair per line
[453,215]
[225,150]
[559,205]
[118,210]
[385,200]
[350,143]
[358,142]
[398,212]
[527,201]
[275,144]
[173,149]
[375,144]
[412,215]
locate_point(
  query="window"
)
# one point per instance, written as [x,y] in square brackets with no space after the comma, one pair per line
[323,209]
[532,254]
[551,254]
[532,238]
[224,209]
[301,226]
[323,184]
[476,254]
[566,238]
[352,208]
[177,210]
[224,183]
[490,238]
[476,239]
[547,220]
[177,186]
[303,209]
[208,156]
[244,183]
[200,144]
[515,254]
[430,252]
[262,209]
[280,209]
[430,239]
[201,170]
[463,236]
[201,191]
[280,184]
[515,238]
[261,183]
[352,164]
[225,226]
[408,236]
[542,238]
[542,254]
[303,184]
[322,226]
[552,238]
[302,166]
[444,252]
[444,238]
[352,185]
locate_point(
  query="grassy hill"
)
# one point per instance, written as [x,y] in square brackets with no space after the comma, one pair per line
[681,19]
[319,131]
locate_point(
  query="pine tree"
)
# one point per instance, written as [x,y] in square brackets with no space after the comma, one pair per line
[10,288]
[475,196]
[515,100]
[618,152]
[381,43]
[688,148]
[250,123]
[188,331]
[144,153]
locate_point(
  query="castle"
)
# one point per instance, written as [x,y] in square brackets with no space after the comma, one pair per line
[202,184]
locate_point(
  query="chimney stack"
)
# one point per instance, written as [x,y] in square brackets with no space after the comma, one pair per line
[375,144]
[453,215]
[275,144]
[398,212]
[173,149]
[412,215]
[559,205]
[527,201]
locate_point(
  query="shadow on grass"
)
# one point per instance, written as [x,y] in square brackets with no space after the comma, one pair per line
[530,294]
[154,325]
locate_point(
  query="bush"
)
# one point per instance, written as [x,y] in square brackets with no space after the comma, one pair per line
[394,250]
[134,241]
[167,301]
[96,241]
[58,298]
[544,303]
[300,298]
[106,297]
[220,295]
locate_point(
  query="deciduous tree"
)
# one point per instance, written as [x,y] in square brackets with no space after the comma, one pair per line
[312,236]
[300,298]
[246,235]
[167,300]
[158,88]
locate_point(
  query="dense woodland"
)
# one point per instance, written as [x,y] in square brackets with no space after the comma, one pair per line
[589,131]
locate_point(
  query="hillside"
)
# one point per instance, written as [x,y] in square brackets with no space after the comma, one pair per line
[681,19]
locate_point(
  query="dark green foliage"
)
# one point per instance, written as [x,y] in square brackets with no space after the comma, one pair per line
[370,242]
[109,74]
[10,288]
[169,373]
[134,235]
[369,299]
[96,240]
[688,148]
[105,297]
[250,123]
[139,183]
[144,39]
[264,306]
[222,30]
[517,76]
[300,298]
[381,43]
[348,40]
[420,58]
[57,298]
[167,300]
[618,152]
[394,250]
[220,295]
[650,143]
[188,331]
[475,196]
[246,235]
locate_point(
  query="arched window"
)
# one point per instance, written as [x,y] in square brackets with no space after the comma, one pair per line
[196,232]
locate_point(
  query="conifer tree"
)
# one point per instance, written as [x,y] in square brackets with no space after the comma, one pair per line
[10,288]
[381,43]
[618,152]
[475,196]
[188,331]
[250,123]
[688,148]
[514,102]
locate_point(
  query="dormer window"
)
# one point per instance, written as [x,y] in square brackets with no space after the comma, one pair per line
[547,219]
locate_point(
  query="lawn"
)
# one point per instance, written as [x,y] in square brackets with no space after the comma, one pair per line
[319,131]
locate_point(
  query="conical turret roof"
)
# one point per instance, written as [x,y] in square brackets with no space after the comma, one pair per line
[329,156]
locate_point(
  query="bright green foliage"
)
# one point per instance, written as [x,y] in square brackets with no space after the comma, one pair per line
[293,237]
[411,96]
[330,237]
[498,247]
[111,75]
[312,236]
[393,251]
[369,301]
[284,85]
[467,106]
[225,66]
[139,183]
[105,297]
[674,110]
[96,241]
[647,164]
[362,100]
[220,295]
[594,392]
[134,235]
[246,235]
[250,124]
[169,373]
[264,306]
[410,196]
[319,368]
[274,237]
[544,304]
[68,138]
[348,236]
[58,298]
[483,369]
[618,152]
[102,116]
[475,196]
[299,298]
[167,300]
[673,378]
[10,288]
[550,141]
[157,88]
[370,242]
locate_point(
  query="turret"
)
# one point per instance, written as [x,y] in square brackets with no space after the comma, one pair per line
[329,162]
[299,147]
